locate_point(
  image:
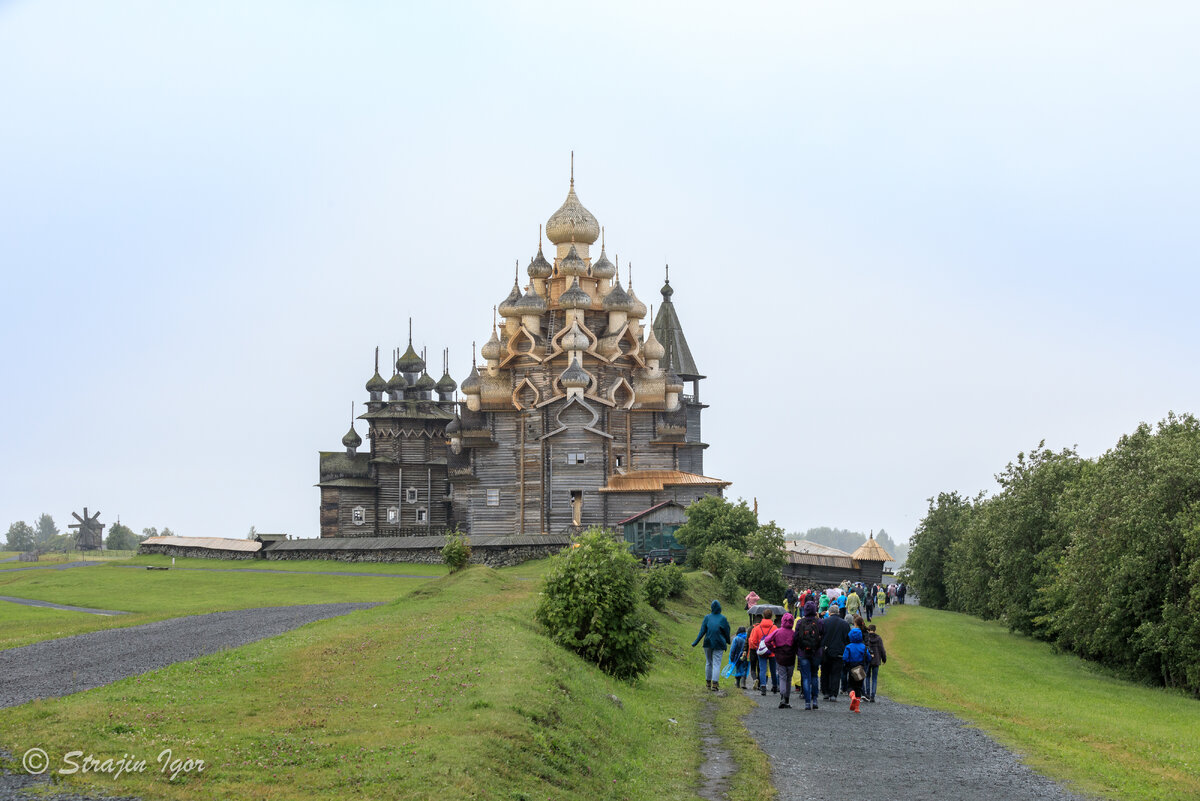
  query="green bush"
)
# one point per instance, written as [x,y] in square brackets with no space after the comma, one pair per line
[663,582]
[589,604]
[457,551]
[730,590]
[719,559]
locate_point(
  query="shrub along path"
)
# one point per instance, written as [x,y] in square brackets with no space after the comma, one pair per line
[889,749]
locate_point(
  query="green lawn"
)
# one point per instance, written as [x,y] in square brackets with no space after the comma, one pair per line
[451,691]
[1070,719]
[158,594]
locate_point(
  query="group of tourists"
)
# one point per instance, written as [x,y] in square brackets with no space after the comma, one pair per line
[823,643]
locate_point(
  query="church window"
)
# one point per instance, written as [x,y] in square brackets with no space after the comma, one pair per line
[493,497]
[358,516]
[620,462]
[576,457]
[410,495]
[393,514]
[422,514]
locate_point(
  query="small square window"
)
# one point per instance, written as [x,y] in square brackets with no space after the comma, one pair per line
[393,514]
[422,514]
[493,497]
[576,458]
[358,516]
[410,495]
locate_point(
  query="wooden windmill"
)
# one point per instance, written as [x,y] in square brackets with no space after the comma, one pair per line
[91,531]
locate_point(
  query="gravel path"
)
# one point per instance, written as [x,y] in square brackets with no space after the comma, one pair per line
[56,566]
[48,605]
[903,753]
[290,572]
[71,664]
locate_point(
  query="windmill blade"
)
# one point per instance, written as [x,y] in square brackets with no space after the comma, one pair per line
[77,517]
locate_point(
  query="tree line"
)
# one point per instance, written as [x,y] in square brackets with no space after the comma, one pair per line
[848,541]
[1099,556]
[44,535]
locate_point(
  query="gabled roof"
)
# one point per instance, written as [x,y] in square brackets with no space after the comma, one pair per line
[657,480]
[872,551]
[807,546]
[669,332]
[645,512]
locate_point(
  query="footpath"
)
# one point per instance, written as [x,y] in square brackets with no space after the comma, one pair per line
[888,750]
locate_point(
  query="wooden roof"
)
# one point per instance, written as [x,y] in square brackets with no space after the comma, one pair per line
[645,512]
[658,480]
[805,552]
[212,543]
[808,546]
[872,551]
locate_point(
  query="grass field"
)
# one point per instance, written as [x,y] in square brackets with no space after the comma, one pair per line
[451,691]
[297,565]
[159,594]
[1070,720]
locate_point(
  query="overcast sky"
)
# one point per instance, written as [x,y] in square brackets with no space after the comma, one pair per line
[907,239]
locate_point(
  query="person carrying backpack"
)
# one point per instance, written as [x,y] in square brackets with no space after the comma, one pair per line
[766,659]
[810,631]
[878,657]
[782,641]
[739,657]
[856,658]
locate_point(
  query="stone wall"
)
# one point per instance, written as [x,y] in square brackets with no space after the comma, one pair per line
[193,552]
[490,555]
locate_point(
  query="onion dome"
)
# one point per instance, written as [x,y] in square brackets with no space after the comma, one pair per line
[572,264]
[667,291]
[539,267]
[410,362]
[575,297]
[639,309]
[425,383]
[617,299]
[471,385]
[575,339]
[397,383]
[572,221]
[454,427]
[446,385]
[352,439]
[491,349]
[530,303]
[376,383]
[652,349]
[674,382]
[506,306]
[575,376]
[602,267]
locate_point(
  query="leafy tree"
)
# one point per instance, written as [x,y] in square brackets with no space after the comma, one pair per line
[46,532]
[943,524]
[762,570]
[252,533]
[589,604]
[730,590]
[713,519]
[20,536]
[166,532]
[147,533]
[121,538]
[1026,541]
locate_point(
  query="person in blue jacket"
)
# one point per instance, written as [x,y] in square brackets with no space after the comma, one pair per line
[856,655]
[739,658]
[714,630]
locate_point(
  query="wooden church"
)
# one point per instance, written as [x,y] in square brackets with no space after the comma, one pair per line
[579,414]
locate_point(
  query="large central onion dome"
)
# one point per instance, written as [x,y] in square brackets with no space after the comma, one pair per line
[572,222]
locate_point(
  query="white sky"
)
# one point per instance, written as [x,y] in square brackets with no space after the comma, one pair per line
[908,240]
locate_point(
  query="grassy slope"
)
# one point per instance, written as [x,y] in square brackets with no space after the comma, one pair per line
[1071,721]
[297,565]
[450,691]
[158,594]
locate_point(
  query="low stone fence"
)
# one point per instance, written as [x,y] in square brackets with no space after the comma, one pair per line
[490,555]
[194,552]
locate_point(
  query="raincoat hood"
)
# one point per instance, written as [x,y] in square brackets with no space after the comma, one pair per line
[810,609]
[716,607]
[786,621]
[856,635]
